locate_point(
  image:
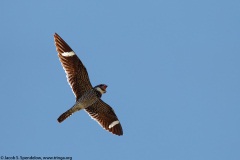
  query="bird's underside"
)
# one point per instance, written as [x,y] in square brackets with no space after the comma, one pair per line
[87,97]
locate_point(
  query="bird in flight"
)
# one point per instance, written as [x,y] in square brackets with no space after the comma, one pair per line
[87,96]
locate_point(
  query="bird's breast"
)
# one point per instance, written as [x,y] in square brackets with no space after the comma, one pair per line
[87,99]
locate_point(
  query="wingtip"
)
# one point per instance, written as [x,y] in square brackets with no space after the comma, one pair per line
[117,129]
[118,134]
[56,35]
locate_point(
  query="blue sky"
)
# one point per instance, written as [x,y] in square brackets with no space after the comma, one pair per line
[172,68]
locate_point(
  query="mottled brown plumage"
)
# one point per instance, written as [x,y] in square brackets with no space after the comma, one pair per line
[76,72]
[104,115]
[87,97]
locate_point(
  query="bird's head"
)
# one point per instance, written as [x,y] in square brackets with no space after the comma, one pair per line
[101,88]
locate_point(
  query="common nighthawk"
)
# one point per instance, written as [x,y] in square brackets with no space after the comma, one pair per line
[87,96]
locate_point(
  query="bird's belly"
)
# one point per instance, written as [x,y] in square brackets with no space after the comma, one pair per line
[86,101]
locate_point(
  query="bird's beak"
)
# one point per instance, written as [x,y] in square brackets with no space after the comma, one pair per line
[105,86]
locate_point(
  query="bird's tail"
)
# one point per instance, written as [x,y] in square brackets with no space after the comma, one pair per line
[66,114]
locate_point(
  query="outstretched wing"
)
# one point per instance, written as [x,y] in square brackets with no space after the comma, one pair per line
[105,116]
[76,73]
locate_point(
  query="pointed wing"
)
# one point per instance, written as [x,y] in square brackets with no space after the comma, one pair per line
[105,116]
[76,73]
